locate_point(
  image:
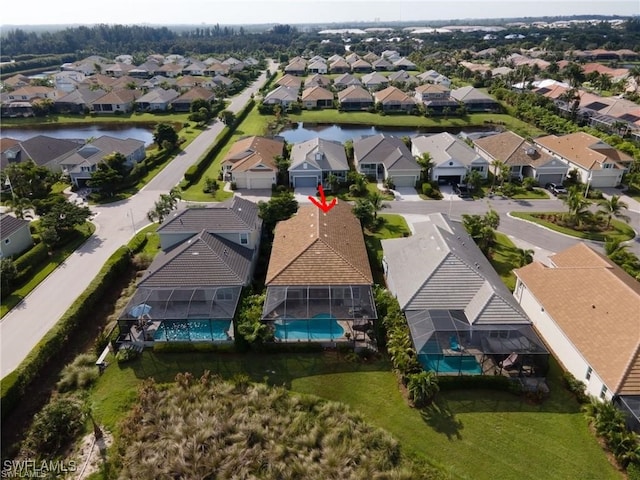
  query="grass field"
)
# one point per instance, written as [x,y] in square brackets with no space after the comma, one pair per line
[504,259]
[147,119]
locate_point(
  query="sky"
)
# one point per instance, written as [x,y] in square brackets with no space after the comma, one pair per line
[225,12]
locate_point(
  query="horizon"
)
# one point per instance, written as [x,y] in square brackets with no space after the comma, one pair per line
[162,13]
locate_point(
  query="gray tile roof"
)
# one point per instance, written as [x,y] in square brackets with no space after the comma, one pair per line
[470,94]
[93,153]
[158,95]
[444,147]
[42,149]
[332,155]
[389,150]
[204,260]
[235,215]
[10,224]
[440,267]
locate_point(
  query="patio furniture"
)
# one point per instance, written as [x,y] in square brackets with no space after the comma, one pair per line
[509,361]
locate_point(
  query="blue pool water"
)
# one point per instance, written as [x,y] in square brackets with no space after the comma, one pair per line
[322,327]
[193,330]
[464,364]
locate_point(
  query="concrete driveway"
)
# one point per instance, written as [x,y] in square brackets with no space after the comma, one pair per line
[302,194]
[406,194]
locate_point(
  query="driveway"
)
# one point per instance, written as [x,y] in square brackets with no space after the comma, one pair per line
[24,326]
[406,194]
[301,194]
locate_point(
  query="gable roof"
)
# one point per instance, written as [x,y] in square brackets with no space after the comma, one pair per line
[355,92]
[94,152]
[10,224]
[234,215]
[386,149]
[283,93]
[346,79]
[470,94]
[316,93]
[248,152]
[114,97]
[195,93]
[440,267]
[43,149]
[512,149]
[322,154]
[444,147]
[374,78]
[393,94]
[158,95]
[81,96]
[583,149]
[204,260]
[289,80]
[595,304]
[315,248]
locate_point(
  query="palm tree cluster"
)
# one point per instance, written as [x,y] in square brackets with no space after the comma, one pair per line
[609,423]
[209,428]
[366,210]
[482,229]
[165,204]
[579,214]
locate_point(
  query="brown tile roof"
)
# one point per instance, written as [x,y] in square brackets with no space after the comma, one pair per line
[120,96]
[583,149]
[597,306]
[392,94]
[248,152]
[512,149]
[431,88]
[316,93]
[289,80]
[314,248]
[354,92]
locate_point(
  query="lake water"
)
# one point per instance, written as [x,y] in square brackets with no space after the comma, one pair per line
[341,133]
[83,132]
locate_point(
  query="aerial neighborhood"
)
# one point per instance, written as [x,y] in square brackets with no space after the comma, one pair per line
[317,252]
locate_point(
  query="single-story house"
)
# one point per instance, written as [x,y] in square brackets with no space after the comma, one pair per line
[120,100]
[81,164]
[318,66]
[586,309]
[382,65]
[374,80]
[31,92]
[355,98]
[191,290]
[45,151]
[317,97]
[453,159]
[297,66]
[119,69]
[15,236]
[524,158]
[404,64]
[184,101]
[598,164]
[360,66]
[156,100]
[384,156]
[289,80]
[170,69]
[79,100]
[462,318]
[250,162]
[345,80]
[317,80]
[312,161]
[283,96]
[393,99]
[340,66]
[402,77]
[195,68]
[370,57]
[319,280]
[474,100]
[10,152]
[433,77]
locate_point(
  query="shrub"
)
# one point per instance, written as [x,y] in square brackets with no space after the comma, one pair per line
[127,355]
[633,471]
[141,261]
[233,186]
[575,386]
[427,189]
[26,264]
[80,373]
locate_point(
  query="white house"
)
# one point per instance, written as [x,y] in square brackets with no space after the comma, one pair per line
[15,236]
[250,162]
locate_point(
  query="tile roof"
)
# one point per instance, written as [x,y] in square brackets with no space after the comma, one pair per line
[289,80]
[355,92]
[393,94]
[346,79]
[42,149]
[314,248]
[234,215]
[158,95]
[94,152]
[120,96]
[512,149]
[386,149]
[596,305]
[374,78]
[444,147]
[316,93]
[248,152]
[204,260]
[471,94]
[332,154]
[583,149]
[195,93]
[10,224]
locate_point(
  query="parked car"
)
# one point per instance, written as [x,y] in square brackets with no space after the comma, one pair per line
[461,190]
[556,189]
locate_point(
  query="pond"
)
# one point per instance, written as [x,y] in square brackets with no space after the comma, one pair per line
[301,132]
[81,131]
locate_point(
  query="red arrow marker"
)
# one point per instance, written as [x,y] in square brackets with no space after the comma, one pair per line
[323,205]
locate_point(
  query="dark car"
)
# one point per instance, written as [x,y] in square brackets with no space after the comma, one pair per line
[461,190]
[556,189]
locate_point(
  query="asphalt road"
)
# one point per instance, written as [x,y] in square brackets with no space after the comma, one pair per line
[24,326]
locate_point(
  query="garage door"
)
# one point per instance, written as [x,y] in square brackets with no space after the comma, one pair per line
[261,182]
[305,182]
[543,179]
[449,179]
[405,181]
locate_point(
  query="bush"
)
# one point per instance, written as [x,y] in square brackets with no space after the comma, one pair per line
[633,471]
[127,355]
[80,373]
[427,189]
[575,386]
[27,263]
[141,261]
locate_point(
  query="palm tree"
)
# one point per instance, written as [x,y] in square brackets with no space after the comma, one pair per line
[499,168]
[376,199]
[577,204]
[426,163]
[525,256]
[613,207]
[20,206]
[359,186]
[422,387]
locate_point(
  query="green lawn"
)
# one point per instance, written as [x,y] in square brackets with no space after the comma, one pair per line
[344,194]
[469,434]
[59,256]
[148,119]
[621,230]
[253,124]
[521,193]
[505,259]
[394,226]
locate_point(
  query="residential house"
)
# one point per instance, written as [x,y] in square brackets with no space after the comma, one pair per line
[319,67]
[523,158]
[191,290]
[15,236]
[283,96]
[352,58]
[433,77]
[250,162]
[385,156]
[184,101]
[145,70]
[393,99]
[355,98]
[79,100]
[317,80]
[598,164]
[391,55]
[319,282]
[81,164]
[401,77]
[289,80]
[474,100]
[462,318]
[99,81]
[296,66]
[156,100]
[117,70]
[159,81]
[9,152]
[586,309]
[16,81]
[217,69]
[317,97]
[195,68]
[370,57]
[436,99]
[30,93]
[67,81]
[404,64]
[345,80]
[314,160]
[187,82]
[339,66]
[121,100]
[360,66]
[45,151]
[452,158]
[171,70]
[374,81]
[90,65]
[382,65]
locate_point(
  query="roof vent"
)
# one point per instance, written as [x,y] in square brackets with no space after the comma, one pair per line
[225,252]
[531,151]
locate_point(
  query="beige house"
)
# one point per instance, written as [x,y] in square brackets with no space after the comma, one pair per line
[393,99]
[317,97]
[250,162]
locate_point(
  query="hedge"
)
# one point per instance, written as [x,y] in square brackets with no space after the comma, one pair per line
[26,263]
[15,385]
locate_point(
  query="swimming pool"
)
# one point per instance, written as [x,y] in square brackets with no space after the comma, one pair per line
[462,364]
[322,327]
[193,330]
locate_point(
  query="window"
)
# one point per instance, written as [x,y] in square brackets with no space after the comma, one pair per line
[607,165]
[603,392]
[244,238]
[589,371]
[477,169]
